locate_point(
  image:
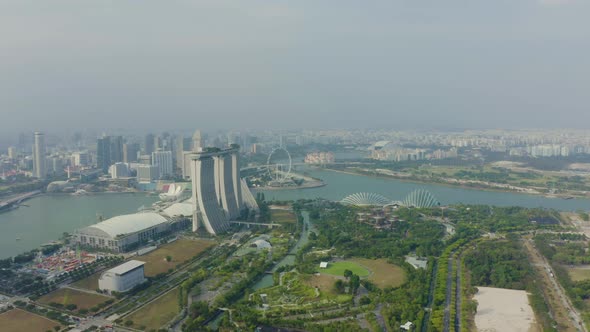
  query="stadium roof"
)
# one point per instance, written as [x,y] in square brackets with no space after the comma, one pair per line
[179,209]
[126,267]
[129,223]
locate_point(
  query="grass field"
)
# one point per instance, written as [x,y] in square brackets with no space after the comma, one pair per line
[282,216]
[579,274]
[17,320]
[157,313]
[67,296]
[337,269]
[180,251]
[90,282]
[383,274]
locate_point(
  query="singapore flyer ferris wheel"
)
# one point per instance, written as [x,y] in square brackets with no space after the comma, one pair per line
[279,165]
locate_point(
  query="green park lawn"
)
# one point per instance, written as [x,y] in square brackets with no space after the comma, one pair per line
[156,314]
[337,269]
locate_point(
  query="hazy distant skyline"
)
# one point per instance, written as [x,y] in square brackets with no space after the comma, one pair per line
[293,64]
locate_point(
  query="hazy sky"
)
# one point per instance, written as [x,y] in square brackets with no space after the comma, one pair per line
[291,64]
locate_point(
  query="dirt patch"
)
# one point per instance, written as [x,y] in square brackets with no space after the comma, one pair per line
[504,310]
[324,282]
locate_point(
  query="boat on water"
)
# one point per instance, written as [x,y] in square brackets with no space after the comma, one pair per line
[18,238]
[79,192]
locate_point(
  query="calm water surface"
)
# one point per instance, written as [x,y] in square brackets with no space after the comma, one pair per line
[339,185]
[45,218]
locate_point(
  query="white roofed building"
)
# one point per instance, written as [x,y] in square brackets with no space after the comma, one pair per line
[183,209]
[123,233]
[122,278]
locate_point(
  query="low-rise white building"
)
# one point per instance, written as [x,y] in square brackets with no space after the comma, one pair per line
[121,233]
[123,277]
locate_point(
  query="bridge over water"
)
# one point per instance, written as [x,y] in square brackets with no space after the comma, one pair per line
[17,199]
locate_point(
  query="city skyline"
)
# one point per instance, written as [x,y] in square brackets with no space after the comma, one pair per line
[223,165]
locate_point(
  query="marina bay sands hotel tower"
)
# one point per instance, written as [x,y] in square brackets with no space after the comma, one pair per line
[217,189]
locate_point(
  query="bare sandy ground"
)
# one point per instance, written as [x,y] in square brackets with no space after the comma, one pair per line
[503,310]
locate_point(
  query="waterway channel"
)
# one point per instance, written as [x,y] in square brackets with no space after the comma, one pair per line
[267,280]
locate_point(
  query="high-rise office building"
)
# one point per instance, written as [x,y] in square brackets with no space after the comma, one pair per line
[148,144]
[39,162]
[182,145]
[119,170]
[197,141]
[147,173]
[103,153]
[116,149]
[12,154]
[163,159]
[130,151]
[157,143]
[80,159]
[55,165]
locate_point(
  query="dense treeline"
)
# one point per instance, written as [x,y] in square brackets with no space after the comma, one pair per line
[407,303]
[500,263]
[412,233]
[563,248]
[567,249]
[498,219]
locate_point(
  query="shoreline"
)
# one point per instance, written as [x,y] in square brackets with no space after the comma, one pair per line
[451,185]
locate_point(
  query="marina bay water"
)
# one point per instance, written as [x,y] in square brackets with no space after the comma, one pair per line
[340,185]
[44,218]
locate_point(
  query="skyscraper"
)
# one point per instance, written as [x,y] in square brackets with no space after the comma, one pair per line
[39,163]
[197,141]
[130,152]
[116,149]
[163,159]
[147,173]
[103,153]
[182,145]
[207,211]
[148,144]
[12,152]
[217,191]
